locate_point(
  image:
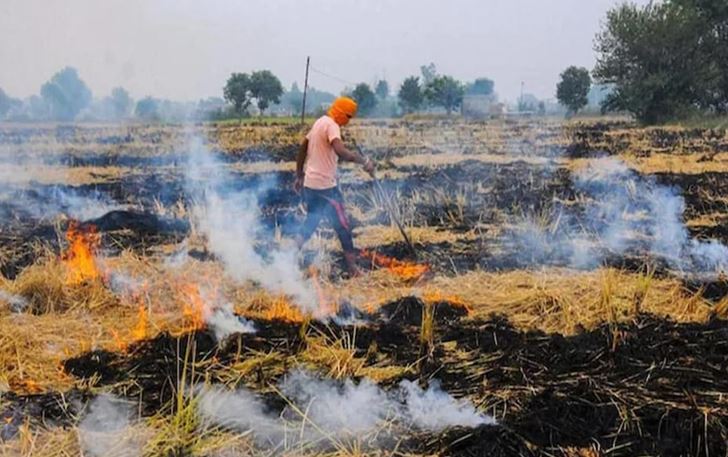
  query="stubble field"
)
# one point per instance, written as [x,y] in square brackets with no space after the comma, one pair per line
[565,296]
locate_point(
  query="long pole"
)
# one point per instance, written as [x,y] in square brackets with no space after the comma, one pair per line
[305,89]
[389,206]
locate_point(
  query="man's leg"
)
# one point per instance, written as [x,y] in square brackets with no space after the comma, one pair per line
[315,208]
[337,217]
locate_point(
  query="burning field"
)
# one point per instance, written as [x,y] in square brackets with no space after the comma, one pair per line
[566,295]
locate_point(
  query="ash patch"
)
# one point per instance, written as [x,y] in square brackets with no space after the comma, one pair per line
[575,391]
[151,368]
[52,409]
[408,311]
[485,440]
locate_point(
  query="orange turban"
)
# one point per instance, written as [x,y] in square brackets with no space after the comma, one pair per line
[342,110]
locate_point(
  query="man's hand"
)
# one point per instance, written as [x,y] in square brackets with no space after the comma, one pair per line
[298,184]
[369,166]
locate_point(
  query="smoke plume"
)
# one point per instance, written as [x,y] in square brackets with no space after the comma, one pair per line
[106,431]
[434,410]
[324,411]
[46,201]
[229,219]
[624,212]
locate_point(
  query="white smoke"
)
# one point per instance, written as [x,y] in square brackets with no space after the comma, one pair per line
[229,219]
[124,285]
[239,410]
[179,257]
[106,430]
[324,411]
[624,213]
[17,303]
[75,205]
[339,410]
[47,201]
[435,410]
[224,322]
[219,316]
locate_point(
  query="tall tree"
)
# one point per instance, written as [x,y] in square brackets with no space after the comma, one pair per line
[712,35]
[365,98]
[237,92]
[265,88]
[5,103]
[147,109]
[428,73]
[294,98]
[121,102]
[65,94]
[410,94]
[573,89]
[663,58]
[382,89]
[445,91]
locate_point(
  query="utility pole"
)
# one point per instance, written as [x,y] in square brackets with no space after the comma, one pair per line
[305,89]
[520,99]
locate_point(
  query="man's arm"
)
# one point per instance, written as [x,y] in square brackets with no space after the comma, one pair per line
[352,156]
[347,154]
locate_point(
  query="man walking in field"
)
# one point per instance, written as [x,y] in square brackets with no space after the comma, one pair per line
[316,166]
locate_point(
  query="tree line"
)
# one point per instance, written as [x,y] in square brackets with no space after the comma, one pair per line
[66,97]
[430,91]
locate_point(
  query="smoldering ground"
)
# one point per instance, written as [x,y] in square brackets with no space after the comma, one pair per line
[622,213]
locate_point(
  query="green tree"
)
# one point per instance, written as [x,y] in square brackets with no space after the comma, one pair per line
[265,88]
[237,92]
[5,103]
[365,98]
[664,59]
[121,102]
[294,98]
[382,89]
[428,73]
[65,94]
[444,91]
[573,89]
[410,95]
[711,29]
[147,109]
[481,86]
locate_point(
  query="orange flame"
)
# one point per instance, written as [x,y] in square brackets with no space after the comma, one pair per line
[140,331]
[79,257]
[31,386]
[119,342]
[194,307]
[402,269]
[327,306]
[281,309]
[435,296]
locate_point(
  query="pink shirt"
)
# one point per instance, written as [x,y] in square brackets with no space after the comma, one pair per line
[321,159]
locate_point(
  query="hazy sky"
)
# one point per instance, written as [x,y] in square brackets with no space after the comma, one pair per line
[185,49]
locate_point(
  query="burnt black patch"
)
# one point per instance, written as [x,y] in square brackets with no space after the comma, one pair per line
[409,311]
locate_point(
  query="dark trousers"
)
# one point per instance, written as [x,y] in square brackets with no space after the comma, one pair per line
[326,203]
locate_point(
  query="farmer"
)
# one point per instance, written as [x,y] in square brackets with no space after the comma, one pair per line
[316,175]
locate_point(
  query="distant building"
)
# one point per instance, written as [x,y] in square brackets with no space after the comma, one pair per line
[481,106]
